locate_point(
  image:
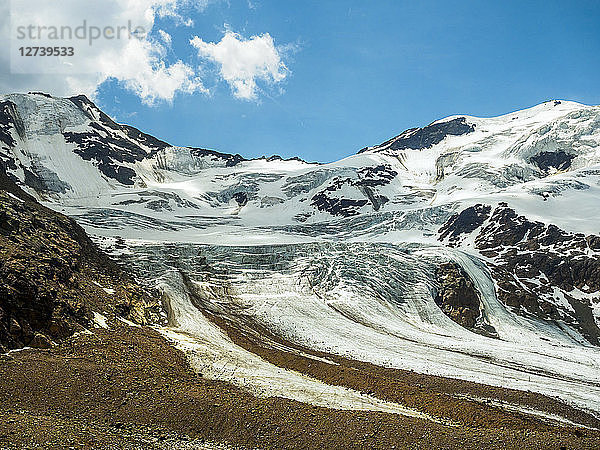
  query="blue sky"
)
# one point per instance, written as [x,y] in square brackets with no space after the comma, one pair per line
[360,72]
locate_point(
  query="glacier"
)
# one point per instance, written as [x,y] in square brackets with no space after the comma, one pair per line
[341,257]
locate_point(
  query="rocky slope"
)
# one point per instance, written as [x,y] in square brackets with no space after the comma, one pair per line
[53,278]
[458,297]
[539,269]
[126,387]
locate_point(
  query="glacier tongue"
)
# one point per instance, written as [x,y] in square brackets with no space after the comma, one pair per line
[214,355]
[374,303]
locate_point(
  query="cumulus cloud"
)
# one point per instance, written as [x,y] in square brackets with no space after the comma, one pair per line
[138,64]
[144,64]
[242,62]
[172,9]
[140,69]
[166,37]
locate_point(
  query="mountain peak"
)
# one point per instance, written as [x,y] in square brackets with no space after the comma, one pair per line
[68,148]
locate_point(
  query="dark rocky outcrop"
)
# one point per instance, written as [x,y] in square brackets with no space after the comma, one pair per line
[230,160]
[525,250]
[366,182]
[463,223]
[344,207]
[559,160]
[533,264]
[426,137]
[43,180]
[9,119]
[109,152]
[52,276]
[87,106]
[279,158]
[241,198]
[375,175]
[458,298]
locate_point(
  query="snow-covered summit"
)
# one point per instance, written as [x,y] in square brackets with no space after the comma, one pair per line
[67,150]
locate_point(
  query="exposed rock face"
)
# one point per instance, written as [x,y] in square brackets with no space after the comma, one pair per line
[364,182]
[457,296]
[9,119]
[540,266]
[419,138]
[337,206]
[110,144]
[241,198]
[539,269]
[558,160]
[467,221]
[230,160]
[52,276]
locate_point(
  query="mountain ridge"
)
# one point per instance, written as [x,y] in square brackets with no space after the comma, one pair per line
[351,186]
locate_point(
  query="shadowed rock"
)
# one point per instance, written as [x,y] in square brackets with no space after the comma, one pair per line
[426,137]
[559,160]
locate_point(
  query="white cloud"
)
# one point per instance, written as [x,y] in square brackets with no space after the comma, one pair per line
[172,8]
[142,66]
[140,69]
[244,61]
[139,65]
[166,37]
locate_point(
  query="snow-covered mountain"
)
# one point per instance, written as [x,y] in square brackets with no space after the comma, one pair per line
[542,161]
[468,248]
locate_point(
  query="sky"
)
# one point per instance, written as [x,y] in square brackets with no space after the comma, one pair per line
[323,79]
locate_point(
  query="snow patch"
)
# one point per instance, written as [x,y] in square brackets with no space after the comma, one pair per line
[100,320]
